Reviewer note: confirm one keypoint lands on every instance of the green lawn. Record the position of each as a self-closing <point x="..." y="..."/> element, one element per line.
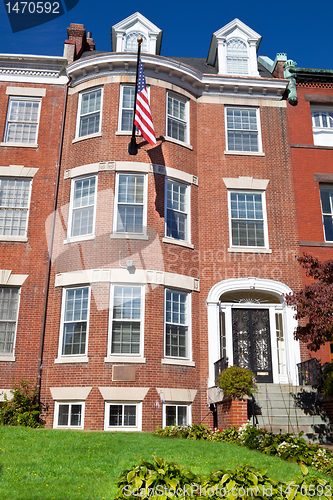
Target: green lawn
<point x="38" y="464"/>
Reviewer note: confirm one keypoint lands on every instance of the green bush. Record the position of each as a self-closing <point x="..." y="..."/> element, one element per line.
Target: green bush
<point x="162" y="480"/>
<point x="237" y="382"/>
<point x="23" y="408"/>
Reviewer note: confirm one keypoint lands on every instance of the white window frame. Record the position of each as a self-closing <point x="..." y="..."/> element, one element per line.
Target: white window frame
<point x="186" y="213"/>
<point x="144" y="204"/>
<point x="12" y="352"/>
<point x="188" y="324"/>
<point x="322" y="136"/>
<point x="121" y="130"/>
<point x="121" y="355"/>
<point x="326" y="214"/>
<point x="14" y="209"/>
<point x="264" y="212"/>
<point x="11" y="100"/>
<point x="232" y="66"/>
<point x="132" y="37"/>
<point x="79" y="356"/>
<point x="72" y="209"/>
<point x="128" y="428"/>
<point x="177" y="405"/>
<point x="257" y="131"/>
<point x="186" y="122"/>
<point x="78" y="119"/>
<point x="58" y="404"/>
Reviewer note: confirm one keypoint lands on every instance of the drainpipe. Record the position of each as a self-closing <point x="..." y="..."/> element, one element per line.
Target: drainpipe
<point x="289" y="73"/>
<point x="48" y="274"/>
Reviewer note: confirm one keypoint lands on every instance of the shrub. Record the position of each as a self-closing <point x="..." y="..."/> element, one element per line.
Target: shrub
<point x="236" y="382"/>
<point x="23" y="408"/>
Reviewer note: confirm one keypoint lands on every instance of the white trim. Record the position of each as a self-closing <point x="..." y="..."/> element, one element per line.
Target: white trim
<point x="26" y="91"/>
<point x="172" y="395"/>
<point x="188" y="413"/>
<point x="9" y="279"/>
<point x="276" y="288"/>
<point x="140" y="277"/>
<point x="245" y="183"/>
<point x="176" y="141"/>
<point x="72" y="358"/>
<point x="180" y="360"/>
<point x="85" y="236"/>
<point x="78" y="116"/>
<point x="177" y="361"/>
<point x="186" y="101"/>
<point x="140" y="354"/>
<point x="114" y="358"/>
<point x="144" y="206"/>
<point x="245" y="248"/>
<point x="88" y="136"/>
<point x="18" y="171"/>
<point x="7" y="358"/>
<point x="244" y="153"/>
<point x="181" y="243"/>
<point x="57" y="404"/>
<point x="6" y="392"/>
<point x="258" y="123"/>
<point x="19" y="145"/>
<point x="138" y="416"/>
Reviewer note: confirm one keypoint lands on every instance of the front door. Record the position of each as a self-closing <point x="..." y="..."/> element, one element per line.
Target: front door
<point x="252" y="342"/>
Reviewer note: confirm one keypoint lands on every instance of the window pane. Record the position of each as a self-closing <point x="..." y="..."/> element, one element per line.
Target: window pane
<point x="170" y="415"/>
<point x="130" y="203"/>
<point x="126" y="324"/>
<point x="22" y="121"/>
<point x="8" y="316"/>
<point x="176" y="329"/>
<point x="83" y="206"/>
<point x="76" y="411"/>
<point x="242" y="130"/>
<point x="14" y="205"/>
<point x="116" y="415"/>
<point x="130" y="415"/>
<point x="247" y="224"/>
<point x="75" y="321"/>
<point x="176" y="118"/>
<point x="63" y="414"/>
<point x="182" y="415"/>
<point x="90" y="113"/>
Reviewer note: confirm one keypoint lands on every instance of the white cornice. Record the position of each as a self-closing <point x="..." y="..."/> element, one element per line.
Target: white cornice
<point x="186" y="77"/>
<point x="31" y="68"/>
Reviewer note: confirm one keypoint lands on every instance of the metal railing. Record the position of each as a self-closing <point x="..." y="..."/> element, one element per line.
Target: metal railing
<point x="219" y="366"/>
<point x="310" y="373"/>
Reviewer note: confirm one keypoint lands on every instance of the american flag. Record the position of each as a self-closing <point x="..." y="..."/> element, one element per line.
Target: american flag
<point x="142" y="119"/>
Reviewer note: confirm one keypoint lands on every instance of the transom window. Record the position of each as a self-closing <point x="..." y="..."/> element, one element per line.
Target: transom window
<point x="177" y="117"/>
<point x="9" y="300"/>
<point x="126" y="320"/>
<point x="89" y="116"/>
<point x="132" y="42"/>
<point x="176" y="415"/>
<point x="326" y="198"/>
<point x="242" y="125"/>
<point x="22" y="120"/>
<point x="83" y="206"/>
<point x="69" y="415"/>
<point x="176" y="210"/>
<point x="14" y="206"/>
<point x="126" y="416"/>
<point x="130" y="209"/>
<point x="176" y="324"/>
<point x="322" y="126"/>
<point x="237" y="57"/>
<point x="75" y="321"/>
<point x="247" y="219"/>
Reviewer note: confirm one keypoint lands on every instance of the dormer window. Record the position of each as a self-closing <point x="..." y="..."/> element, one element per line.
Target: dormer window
<point x="237" y="57"/>
<point x="131" y="44"/>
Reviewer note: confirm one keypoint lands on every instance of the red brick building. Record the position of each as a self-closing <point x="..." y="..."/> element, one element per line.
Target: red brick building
<point x="32" y="97"/>
<point x="166" y="262"/>
<point x="310" y="118"/>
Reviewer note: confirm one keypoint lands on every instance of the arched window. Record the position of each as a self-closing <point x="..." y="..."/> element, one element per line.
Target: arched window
<point x="237" y="57"/>
<point x="131" y="44"/>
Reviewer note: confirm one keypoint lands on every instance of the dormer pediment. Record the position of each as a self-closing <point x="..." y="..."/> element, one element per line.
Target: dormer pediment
<point x="124" y="35"/>
<point x="233" y="50"/>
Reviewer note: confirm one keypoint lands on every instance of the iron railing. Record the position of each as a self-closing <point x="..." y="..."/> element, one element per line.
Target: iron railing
<point x="310" y="373"/>
<point x="219" y="366"/>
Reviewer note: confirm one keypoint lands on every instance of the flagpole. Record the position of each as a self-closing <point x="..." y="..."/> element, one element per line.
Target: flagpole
<point x="132" y="146"/>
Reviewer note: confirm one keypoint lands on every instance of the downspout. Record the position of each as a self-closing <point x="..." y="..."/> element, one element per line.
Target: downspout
<point x="289" y="74"/>
<point x="48" y="274"/>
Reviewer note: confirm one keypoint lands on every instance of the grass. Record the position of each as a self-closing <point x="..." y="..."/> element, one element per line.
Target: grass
<point x="39" y="464"/>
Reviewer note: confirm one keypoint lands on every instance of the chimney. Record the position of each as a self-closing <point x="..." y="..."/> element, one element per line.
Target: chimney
<point x="78" y="42"/>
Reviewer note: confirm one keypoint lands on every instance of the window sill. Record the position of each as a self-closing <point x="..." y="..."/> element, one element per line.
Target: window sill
<point x="123" y="429"/>
<point x="180" y="143"/>
<point x="244" y="153"/>
<point x="18" y="145"/>
<point x="124" y="359"/>
<point x="91" y="136"/>
<point x="128" y="236"/>
<point x="182" y="243"/>
<point x="77" y="239"/>
<point x="177" y="361"/>
<point x="249" y="250"/>
<point x="128" y="133"/>
<point x="72" y="359"/>
<point x="22" y="239"/>
<point x="7" y="358"/>
<point x="316" y="244"/>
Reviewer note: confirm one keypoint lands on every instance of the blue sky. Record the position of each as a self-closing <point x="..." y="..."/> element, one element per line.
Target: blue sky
<point x="301" y="28"/>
